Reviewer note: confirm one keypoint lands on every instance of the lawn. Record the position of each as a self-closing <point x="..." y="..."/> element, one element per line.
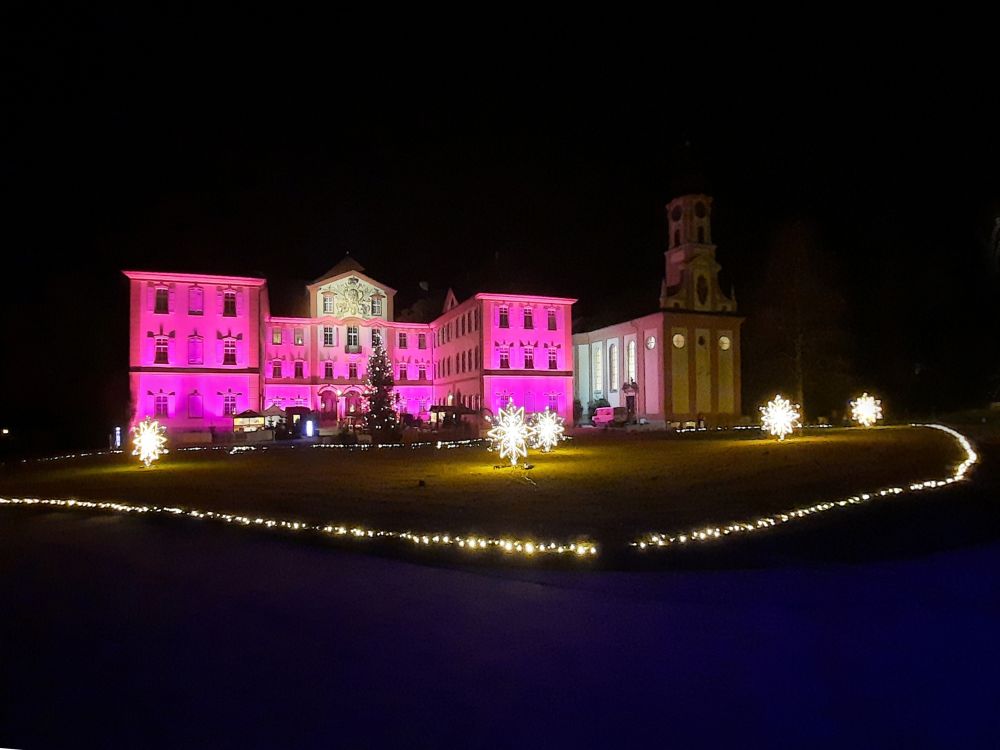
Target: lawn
<point x="602" y="485"/>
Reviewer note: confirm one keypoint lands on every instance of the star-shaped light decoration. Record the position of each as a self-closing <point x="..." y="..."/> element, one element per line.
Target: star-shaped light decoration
<point x="510" y="433"/>
<point x="548" y="428"/>
<point x="866" y="410"/>
<point x="149" y="439"/>
<point x="780" y="416"/>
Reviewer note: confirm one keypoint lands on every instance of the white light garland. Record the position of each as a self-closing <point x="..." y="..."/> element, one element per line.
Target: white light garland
<point x="548" y="430"/>
<point x="866" y="410"/>
<point x="780" y="416"/>
<point x="510" y="433"/>
<point x="766" y="522"/>
<point x="470" y="543"/>
<point x="150" y="440"/>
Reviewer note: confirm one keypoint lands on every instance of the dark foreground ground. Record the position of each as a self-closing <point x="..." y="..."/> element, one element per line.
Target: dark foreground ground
<point x="875" y="628"/>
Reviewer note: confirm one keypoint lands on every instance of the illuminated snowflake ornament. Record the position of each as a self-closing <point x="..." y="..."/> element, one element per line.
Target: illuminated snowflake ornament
<point x="866" y="410"/>
<point x="149" y="439"/>
<point x="779" y="417"/>
<point x="548" y="430"/>
<point x="510" y="433"/>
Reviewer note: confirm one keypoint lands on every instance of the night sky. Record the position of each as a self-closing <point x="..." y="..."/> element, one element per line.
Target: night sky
<point x="133" y="142"/>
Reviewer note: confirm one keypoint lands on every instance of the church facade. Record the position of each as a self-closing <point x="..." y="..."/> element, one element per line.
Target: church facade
<point x="681" y="363"/>
<point x="206" y="348"/>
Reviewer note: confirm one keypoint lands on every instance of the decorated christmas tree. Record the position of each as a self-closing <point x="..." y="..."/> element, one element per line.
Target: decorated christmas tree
<point x="380" y="420"/>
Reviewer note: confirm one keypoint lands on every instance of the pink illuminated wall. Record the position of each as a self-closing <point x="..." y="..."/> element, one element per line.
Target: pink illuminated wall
<point x="204" y="347"/>
<point x="194" y="351"/>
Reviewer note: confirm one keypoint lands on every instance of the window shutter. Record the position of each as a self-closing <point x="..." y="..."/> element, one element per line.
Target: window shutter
<point x="150" y="297"/>
<point x="171" y="304"/>
<point x="240" y="354"/>
<point x="219" y="352"/>
<point x="220" y="301"/>
<point x="171" y="355"/>
<point x="150" y="350"/>
<point x="240" y="303"/>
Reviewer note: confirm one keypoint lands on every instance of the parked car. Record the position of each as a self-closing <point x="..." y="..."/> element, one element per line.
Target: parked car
<point x="603" y="415"/>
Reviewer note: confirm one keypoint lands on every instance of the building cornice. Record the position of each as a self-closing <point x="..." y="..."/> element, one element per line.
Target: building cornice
<point x="199" y="278"/>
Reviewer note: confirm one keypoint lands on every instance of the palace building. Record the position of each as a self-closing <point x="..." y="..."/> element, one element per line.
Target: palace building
<point x="205" y="348"/>
<point x="680" y="364"/>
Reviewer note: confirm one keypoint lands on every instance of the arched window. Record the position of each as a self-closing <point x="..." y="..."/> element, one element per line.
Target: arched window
<point x="630" y="365"/>
<point x="598" y="365"/>
<point x="613" y="366"/>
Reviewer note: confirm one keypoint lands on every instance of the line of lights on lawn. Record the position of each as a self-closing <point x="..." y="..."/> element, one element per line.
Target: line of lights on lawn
<point x="233" y="449"/>
<point x="471" y="543"/>
<point x="766" y="522"/>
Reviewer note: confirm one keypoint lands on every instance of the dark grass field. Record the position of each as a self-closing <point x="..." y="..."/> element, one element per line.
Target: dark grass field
<point x="604" y="486"/>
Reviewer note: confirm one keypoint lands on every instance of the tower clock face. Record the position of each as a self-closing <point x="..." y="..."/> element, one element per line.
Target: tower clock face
<point x="651" y="342"/>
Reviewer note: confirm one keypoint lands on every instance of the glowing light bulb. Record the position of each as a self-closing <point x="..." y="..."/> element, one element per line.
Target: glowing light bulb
<point x="510" y="433"/>
<point x="780" y="416"/>
<point x="866" y="410"/>
<point x="548" y="430"/>
<point x="149" y="440"/>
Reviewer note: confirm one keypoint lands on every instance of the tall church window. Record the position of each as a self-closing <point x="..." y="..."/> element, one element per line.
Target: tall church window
<point x="613" y="366"/>
<point x="598" y="365"/>
<point x="630" y="362"/>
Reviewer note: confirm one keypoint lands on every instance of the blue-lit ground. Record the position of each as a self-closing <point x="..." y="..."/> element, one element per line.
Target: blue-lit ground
<point x="876" y="628"/>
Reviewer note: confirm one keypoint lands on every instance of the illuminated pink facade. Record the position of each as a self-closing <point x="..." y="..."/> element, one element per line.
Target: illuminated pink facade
<point x="204" y="348"/>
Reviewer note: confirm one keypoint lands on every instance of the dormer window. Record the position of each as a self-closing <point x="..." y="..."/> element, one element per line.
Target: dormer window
<point x="229" y="304"/>
<point x="162" y="301"/>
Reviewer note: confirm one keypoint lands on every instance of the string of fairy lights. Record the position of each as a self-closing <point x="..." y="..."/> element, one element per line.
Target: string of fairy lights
<point x="472" y="543"/>
<point x="736" y="528"/>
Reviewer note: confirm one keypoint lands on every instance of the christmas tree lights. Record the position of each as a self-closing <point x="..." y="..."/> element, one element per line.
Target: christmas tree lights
<point x="866" y="410"/>
<point x="779" y="417"/>
<point x="510" y="433"/>
<point x="381" y="418"/>
<point x="149" y="440"/>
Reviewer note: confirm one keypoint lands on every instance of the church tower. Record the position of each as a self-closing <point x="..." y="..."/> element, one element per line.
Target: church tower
<point x="691" y="281"/>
